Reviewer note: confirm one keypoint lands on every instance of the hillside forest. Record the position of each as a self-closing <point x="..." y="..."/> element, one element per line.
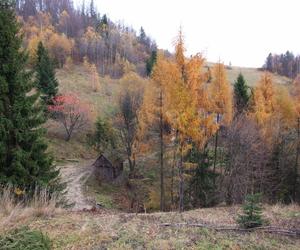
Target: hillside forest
<point x="74" y="84"/>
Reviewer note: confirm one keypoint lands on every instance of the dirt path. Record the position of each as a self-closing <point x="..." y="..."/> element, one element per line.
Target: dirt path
<point x="75" y="175"/>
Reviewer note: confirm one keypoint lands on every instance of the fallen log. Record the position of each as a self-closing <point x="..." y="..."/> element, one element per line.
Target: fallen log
<point x="272" y="230"/>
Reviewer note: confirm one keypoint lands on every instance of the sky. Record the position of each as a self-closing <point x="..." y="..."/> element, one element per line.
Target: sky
<point x="242" y="32"/>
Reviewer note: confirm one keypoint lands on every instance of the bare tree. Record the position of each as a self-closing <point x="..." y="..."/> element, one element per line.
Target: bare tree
<point x="70" y="112"/>
<point x="247" y="160"/>
<point x="127" y="123"/>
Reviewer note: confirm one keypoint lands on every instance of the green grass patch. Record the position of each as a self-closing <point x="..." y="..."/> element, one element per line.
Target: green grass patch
<point x="103" y="192"/>
<point x="25" y="239"/>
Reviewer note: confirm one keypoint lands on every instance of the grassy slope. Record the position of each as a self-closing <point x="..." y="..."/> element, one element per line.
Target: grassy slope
<point x="114" y="230"/>
<point x="252" y="76"/>
<point x="110" y="230"/>
<point x="77" y="80"/>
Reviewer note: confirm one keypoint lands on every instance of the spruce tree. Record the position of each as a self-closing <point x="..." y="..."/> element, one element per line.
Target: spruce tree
<point x="23" y="158"/>
<point x="151" y="62"/>
<point x="45" y="75"/>
<point x="241" y="94"/>
<point x="252" y="212"/>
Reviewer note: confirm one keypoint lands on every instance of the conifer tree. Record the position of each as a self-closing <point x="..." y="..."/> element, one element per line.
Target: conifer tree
<point x="264" y="99"/>
<point x="151" y="62"/>
<point x="252" y="212"/>
<point x="45" y="78"/>
<point x="23" y="158"/>
<point x="241" y="94"/>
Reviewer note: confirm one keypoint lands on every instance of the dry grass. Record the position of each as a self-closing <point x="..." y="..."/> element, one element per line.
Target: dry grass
<point x="251" y="75"/>
<point x="111" y="230"/>
<point x="14" y="212"/>
<point x="76" y="80"/>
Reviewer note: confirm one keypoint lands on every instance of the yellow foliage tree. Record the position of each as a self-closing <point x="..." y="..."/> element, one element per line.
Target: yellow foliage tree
<point x="221" y="101"/>
<point x="179" y="52"/>
<point x="93" y="73"/>
<point x="39" y="28"/>
<point x="60" y="47"/>
<point x="95" y="78"/>
<point x="296" y="98"/>
<point x="64" y="22"/>
<point x="184" y="82"/>
<point x="221" y="95"/>
<point x="264" y="99"/>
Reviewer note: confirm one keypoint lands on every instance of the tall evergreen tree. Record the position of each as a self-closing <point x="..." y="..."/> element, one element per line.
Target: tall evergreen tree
<point x="45" y="79"/>
<point x="269" y="63"/>
<point x="151" y="62"/>
<point x="241" y="95"/>
<point x="23" y="158"/>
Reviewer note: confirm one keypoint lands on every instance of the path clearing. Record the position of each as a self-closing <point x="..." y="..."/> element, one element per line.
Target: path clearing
<point x="75" y="175"/>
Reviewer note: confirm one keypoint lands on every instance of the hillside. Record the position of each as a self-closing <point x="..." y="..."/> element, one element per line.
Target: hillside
<point x="105" y="229"/>
<point x="77" y="80"/>
<point x="253" y="75"/>
<point x="108" y="142"/>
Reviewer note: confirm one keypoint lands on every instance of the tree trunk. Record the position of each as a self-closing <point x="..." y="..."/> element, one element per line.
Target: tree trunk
<point x="173" y="170"/>
<point x="296" y="161"/>
<point x="181" y="181"/>
<point x="216" y="150"/>
<point x="161" y="137"/>
<point x="172" y="178"/>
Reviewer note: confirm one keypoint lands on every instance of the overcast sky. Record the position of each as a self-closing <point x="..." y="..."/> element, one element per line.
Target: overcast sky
<point x="242" y="32"/>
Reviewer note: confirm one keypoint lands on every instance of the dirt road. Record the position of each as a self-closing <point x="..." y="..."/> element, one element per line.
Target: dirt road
<point x="75" y="175"/>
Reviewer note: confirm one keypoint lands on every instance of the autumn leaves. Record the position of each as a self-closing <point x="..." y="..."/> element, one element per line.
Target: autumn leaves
<point x="195" y="103"/>
<point x="193" y="108"/>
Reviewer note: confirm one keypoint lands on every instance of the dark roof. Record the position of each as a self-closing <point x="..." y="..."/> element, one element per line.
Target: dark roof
<point x="104" y="160"/>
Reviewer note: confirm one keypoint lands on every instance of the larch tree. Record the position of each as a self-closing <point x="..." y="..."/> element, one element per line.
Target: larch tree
<point x="188" y="111"/>
<point x="157" y="103"/>
<point x="221" y="98"/>
<point x="274" y="112"/>
<point x="93" y="73"/>
<point x="186" y="122"/>
<point x="296" y="97"/>
<point x="24" y="161"/>
<point x="95" y="78"/>
<point x="264" y="102"/>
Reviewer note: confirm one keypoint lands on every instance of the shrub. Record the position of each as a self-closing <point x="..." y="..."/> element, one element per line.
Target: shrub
<point x="252" y="210"/>
<point x="25" y="239"/>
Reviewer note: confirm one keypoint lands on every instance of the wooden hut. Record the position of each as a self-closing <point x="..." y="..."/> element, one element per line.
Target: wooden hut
<point x="106" y="169"/>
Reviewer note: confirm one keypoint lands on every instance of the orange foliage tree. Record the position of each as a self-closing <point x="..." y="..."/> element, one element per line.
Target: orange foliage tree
<point x="264" y="99"/>
<point x="221" y="101"/>
<point x="40" y="28"/>
<point x="296" y="97"/>
<point x="93" y="73"/>
<point x="182" y="100"/>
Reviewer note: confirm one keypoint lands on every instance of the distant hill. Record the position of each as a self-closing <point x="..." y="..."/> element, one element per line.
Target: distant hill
<point x="72" y="34"/>
<point x="252" y="75"/>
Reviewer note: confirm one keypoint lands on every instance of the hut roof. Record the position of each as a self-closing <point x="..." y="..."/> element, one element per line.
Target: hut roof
<point x="107" y="160"/>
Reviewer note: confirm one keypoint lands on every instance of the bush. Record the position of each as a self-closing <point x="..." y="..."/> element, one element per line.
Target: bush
<point x="25" y="239"/>
<point x="252" y="210"/>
